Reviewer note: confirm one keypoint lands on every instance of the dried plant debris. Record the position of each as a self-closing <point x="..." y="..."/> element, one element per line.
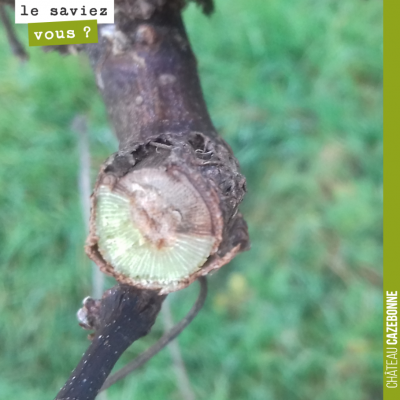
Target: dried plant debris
<point x="166" y="213"/>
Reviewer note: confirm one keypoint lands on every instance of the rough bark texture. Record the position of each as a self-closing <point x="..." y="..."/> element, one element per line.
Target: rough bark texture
<point x="147" y="74"/>
<point x="163" y="341"/>
<point x="124" y="315"/>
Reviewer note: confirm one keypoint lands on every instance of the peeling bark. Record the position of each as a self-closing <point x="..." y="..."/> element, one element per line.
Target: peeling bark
<point x="147" y="74"/>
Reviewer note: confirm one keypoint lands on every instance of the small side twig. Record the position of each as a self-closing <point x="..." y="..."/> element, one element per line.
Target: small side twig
<point x="16" y="47"/>
<point x="123" y="315"/>
<point x="79" y="124"/>
<point x="165" y="339"/>
<point x="182" y="378"/>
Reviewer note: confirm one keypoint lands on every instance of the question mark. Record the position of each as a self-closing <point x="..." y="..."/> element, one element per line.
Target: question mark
<point x="87" y="30"/>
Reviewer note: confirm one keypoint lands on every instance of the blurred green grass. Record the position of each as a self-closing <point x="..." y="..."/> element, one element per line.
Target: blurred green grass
<point x="296" y="88"/>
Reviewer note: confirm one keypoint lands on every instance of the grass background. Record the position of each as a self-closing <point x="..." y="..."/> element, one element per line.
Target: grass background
<point x="295" y="86"/>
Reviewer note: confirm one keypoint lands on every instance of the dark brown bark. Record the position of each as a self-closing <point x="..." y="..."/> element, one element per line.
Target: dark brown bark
<point x="147" y="73"/>
<point x="124" y="315"/>
<point x="163" y="341"/>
